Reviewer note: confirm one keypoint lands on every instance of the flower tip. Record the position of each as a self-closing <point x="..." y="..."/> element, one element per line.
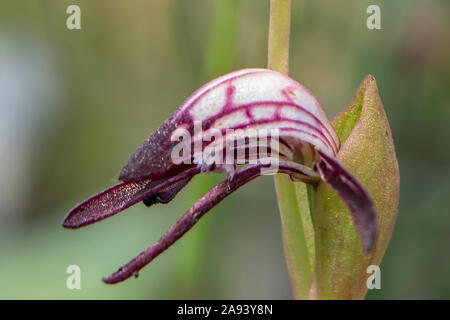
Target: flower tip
<point x="369" y="77"/>
<point x="71" y="220"/>
<point x="67" y="225"/>
<point x="366" y="222"/>
<point x="370" y="240"/>
<point x="108" y="280"/>
<point x="135" y="169"/>
<point x="125" y="174"/>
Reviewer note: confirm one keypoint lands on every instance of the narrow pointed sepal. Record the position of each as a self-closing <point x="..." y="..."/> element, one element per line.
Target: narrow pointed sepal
<point x="104" y="204"/>
<point x="354" y="195"/>
<point x="123" y="195"/>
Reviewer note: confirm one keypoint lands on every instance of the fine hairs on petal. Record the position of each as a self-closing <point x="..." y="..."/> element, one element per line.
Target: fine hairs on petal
<point x="123" y="195"/>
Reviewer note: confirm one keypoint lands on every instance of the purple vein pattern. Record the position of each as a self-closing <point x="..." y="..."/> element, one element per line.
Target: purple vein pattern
<point x="238" y="105"/>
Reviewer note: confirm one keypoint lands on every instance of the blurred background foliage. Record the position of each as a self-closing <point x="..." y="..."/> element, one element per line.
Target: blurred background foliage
<point x="75" y="104"/>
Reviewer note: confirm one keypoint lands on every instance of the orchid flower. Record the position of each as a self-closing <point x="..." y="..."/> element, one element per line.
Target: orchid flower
<point x="235" y="107"/>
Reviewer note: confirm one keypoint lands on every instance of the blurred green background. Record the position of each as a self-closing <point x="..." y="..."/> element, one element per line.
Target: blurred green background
<point x="75" y="104"/>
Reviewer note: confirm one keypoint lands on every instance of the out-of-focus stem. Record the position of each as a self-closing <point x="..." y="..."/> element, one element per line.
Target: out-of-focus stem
<point x="279" y="31"/>
<point x="297" y="242"/>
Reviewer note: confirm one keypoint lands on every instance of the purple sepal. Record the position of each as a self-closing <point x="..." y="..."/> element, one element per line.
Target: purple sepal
<point x="123" y="195"/>
<point x="190" y="218"/>
<point x="354" y="195"/>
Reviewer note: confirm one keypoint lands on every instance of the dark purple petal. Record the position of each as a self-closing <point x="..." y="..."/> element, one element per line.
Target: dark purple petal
<point x="190" y="218"/>
<point x="153" y="158"/>
<point x="121" y="196"/>
<point x="354" y="195"/>
<point x="251" y="98"/>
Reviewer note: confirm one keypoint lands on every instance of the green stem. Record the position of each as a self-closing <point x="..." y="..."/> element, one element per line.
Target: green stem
<point x="279" y="31"/>
<point x="298" y="234"/>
